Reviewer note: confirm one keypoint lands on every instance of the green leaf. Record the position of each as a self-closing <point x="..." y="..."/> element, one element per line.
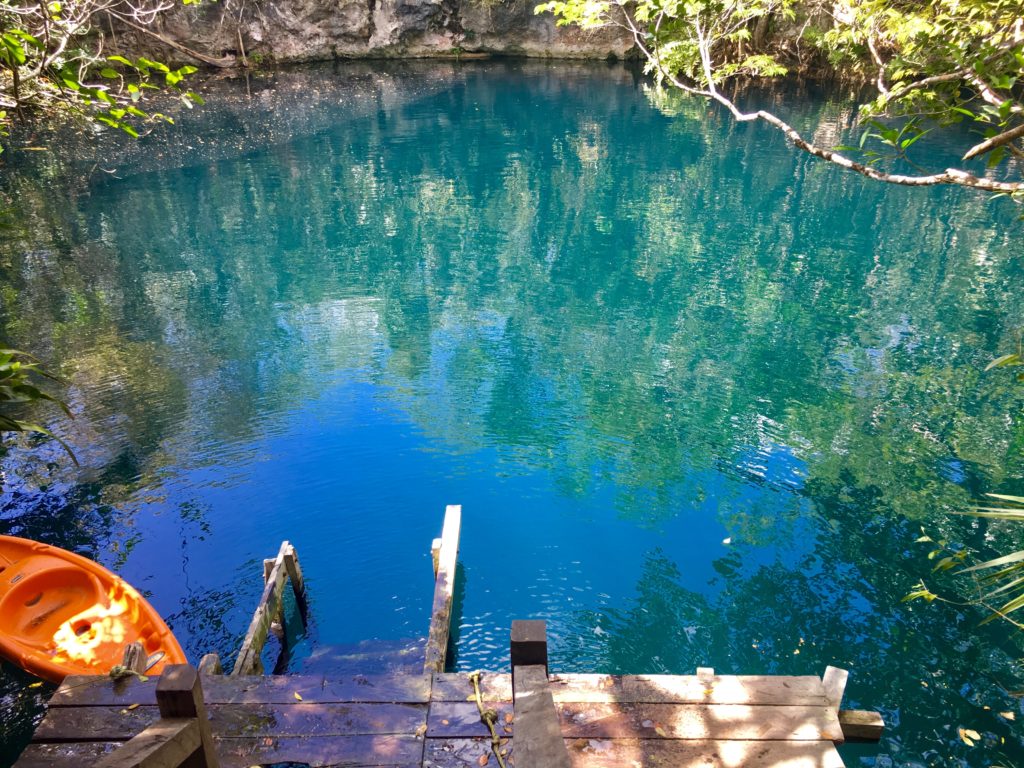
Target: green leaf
<point x="1014" y="557"/>
<point x="1005" y="361"/>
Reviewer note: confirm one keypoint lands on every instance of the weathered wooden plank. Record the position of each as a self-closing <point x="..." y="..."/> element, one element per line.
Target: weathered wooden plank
<point x="79" y="691"/>
<point x="248" y="661"/>
<point x="65" y="755"/>
<point x="452" y="720"/>
<point x="444" y="591"/>
<point x="661" y="753"/>
<point x="394" y="751"/>
<point x="647" y="753"/>
<point x="390" y="751"/>
<point x="539" y="732"/>
<point x="653" y="721"/>
<point x="859" y="725"/>
<point x="165" y="744"/>
<point x="834" y="683"/>
<point x="699" y="721"/>
<point x="462" y="753"/>
<point x="670" y="689"/>
<point x="63" y="724"/>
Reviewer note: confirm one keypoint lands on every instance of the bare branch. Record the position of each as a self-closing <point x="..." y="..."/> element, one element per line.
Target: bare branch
<point x="996" y="141"/>
<point x="225" y="62"/>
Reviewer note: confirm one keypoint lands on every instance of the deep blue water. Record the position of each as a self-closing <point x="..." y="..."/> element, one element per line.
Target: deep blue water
<point x="697" y="394"/>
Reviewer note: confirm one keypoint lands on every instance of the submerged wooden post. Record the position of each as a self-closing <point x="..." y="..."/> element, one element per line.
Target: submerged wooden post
<point x="538" y="737"/>
<point x="444" y="591"/>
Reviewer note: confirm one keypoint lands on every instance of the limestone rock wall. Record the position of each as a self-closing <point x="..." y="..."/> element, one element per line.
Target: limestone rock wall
<point x="316" y="30"/>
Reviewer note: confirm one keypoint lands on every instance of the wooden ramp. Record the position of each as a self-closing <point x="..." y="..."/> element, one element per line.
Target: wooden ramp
<point x="426" y="718"/>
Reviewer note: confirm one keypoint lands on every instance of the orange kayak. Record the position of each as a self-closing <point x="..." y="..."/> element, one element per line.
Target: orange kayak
<point x="61" y="614"/>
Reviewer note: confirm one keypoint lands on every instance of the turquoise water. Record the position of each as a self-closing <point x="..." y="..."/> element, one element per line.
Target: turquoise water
<point x="697" y="394"/>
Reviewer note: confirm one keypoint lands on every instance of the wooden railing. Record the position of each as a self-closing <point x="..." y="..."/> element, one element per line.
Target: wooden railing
<point x="181" y="738"/>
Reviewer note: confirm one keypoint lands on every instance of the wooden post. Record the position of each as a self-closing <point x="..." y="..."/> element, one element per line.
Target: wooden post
<point x="134" y="658"/>
<point x="444" y="591"/>
<point x="179" y="694"/>
<point x="538" y="736"/>
<point x="165" y="744"/>
<point x="277" y="625"/>
<point x="435" y="554"/>
<point x="291" y="566"/>
<point x="834" y="682"/>
<point x="210" y="665"/>
<point x="529" y="646"/>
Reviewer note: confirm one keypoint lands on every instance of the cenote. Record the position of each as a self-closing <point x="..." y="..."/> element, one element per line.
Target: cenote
<point x="698" y="395"/>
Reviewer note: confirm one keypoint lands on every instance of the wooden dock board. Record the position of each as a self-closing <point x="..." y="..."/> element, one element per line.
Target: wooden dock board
<point x="653" y="721"/>
<point x="656" y="689"/>
<point x="642" y="753"/>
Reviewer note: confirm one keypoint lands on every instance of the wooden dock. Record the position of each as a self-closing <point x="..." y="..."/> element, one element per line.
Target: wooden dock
<point x="433" y="719"/>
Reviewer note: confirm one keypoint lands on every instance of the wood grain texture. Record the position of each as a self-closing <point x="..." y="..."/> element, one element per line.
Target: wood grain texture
<point x="539" y="733"/>
<point x="859" y="725"/>
<point x="347" y="751"/>
<point x="645" y="753"/>
<point x="648" y="753"/>
<point x="65" y="724"/>
<point x="79" y="691"/>
<point x="166" y="744"/>
<point x="675" y="689"/>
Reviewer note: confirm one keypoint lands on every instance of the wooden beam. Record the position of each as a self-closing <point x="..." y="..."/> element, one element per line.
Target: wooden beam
<point x="834" y="682"/>
<point x="859" y="725"/>
<point x="538" y="733"/>
<point x="444" y="591"/>
<point x="179" y="694"/>
<point x="294" y="570"/>
<point x="249" y="661"/>
<point x="167" y="744"/>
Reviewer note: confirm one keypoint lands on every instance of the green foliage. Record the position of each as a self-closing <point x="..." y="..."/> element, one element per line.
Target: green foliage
<point x="941" y="63"/>
<point x="52" y="59"/>
<point x="18" y="374"/>
<point x="1000" y="580"/>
